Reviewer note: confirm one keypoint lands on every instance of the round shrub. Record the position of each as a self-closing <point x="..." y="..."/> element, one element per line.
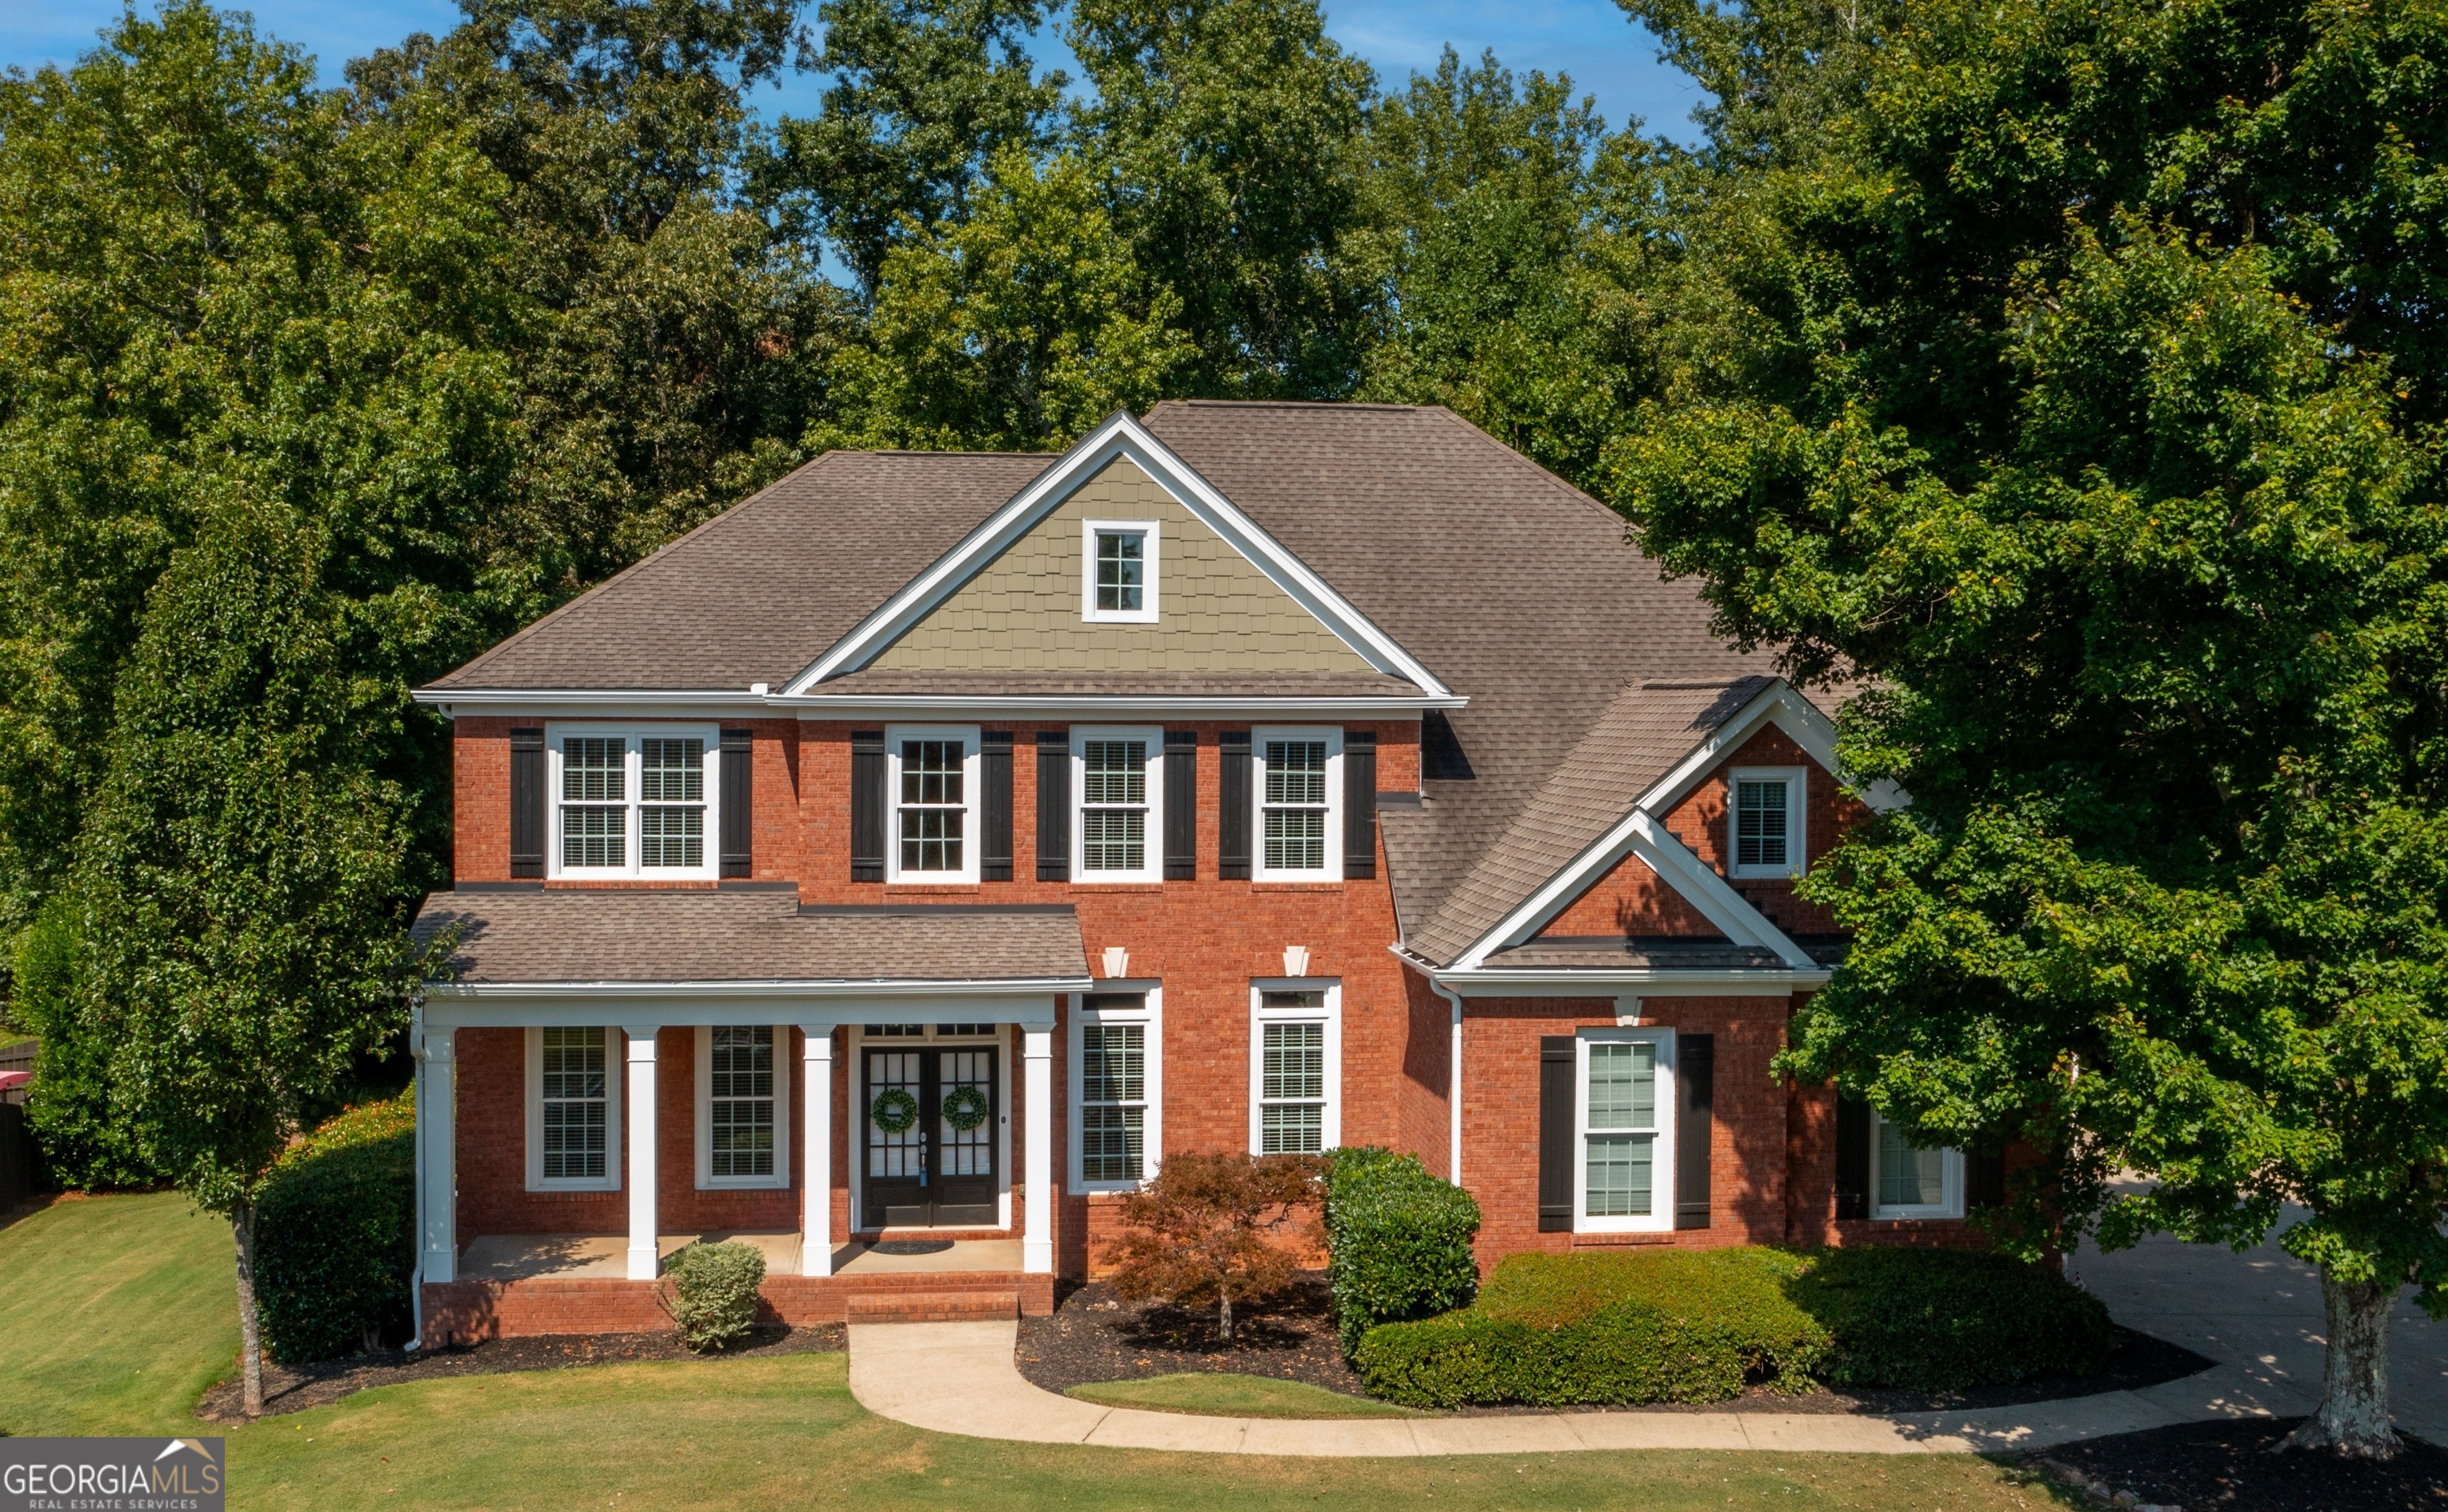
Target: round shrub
<point x="1398" y="1241"/>
<point x="713" y="1294"/>
<point x="1942" y="1320"/>
<point x="335" y="1236"/>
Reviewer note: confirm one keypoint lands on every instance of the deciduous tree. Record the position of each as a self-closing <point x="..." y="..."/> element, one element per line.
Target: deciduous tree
<point x="1213" y="1228"/>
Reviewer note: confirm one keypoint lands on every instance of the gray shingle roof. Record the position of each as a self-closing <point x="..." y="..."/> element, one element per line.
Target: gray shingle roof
<point x="639" y="935"/>
<point x="1619" y="955"/>
<point x="1518" y="590"/>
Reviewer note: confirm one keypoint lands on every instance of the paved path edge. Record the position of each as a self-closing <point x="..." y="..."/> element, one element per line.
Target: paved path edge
<point x="961" y="1378"/>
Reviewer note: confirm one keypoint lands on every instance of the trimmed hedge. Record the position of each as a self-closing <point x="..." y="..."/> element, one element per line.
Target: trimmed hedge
<point x="1942" y="1320"/>
<point x="1645" y="1325"/>
<point x="335" y="1236"/>
<point x="1398" y="1241"/>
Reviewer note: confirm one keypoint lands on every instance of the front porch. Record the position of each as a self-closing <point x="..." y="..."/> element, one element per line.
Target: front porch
<point x="605" y="1256"/>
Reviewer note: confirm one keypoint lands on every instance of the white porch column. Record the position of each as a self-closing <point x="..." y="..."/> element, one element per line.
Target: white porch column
<point x="646" y="1262"/>
<point x="437" y="1158"/>
<point x="817" y="1151"/>
<point x="1037" y="1230"/>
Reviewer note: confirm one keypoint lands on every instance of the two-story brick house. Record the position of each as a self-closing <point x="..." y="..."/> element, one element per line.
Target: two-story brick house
<point x="893" y="869"/>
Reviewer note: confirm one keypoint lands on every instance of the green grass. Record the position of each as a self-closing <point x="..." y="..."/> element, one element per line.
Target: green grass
<point x="118" y="1314"/>
<point x="1221" y="1393"/>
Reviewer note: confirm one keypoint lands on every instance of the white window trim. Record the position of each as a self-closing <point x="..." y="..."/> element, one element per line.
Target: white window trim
<point x="1153" y="871"/>
<point x="1660" y="1217"/>
<point x="615" y="1132"/>
<point x="1330" y="1130"/>
<point x="1145" y="613"/>
<point x="1950" y="1183"/>
<point x="971" y="770"/>
<point x="783" y="1130"/>
<point x="1152" y="1133"/>
<point x="1332" y="870"/>
<point x="1797" y="833"/>
<point x="631" y="736"/>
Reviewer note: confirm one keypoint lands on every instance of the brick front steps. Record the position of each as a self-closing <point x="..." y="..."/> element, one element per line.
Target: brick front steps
<point x="471" y="1311"/>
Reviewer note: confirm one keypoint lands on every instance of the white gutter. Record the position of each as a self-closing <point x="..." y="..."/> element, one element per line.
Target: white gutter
<point x="821" y="987"/>
<point x="753" y="704"/>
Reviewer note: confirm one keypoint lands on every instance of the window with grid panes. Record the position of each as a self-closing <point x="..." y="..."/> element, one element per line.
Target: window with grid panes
<point x="1113" y="1100"/>
<point x="1295" y="805"/>
<point x="576" y="1129"/>
<point x="1113" y="806"/>
<point x="1761" y="823"/>
<point x="670" y="797"/>
<point x="740" y="1121"/>
<point x="934" y="804"/>
<point x="1619" y="1137"/>
<point x="1291" y="1079"/>
<point x="594" y="800"/>
<point x="1122" y="571"/>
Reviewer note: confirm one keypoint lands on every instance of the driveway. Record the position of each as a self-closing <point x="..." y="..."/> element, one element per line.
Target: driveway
<point x="2260" y="1311"/>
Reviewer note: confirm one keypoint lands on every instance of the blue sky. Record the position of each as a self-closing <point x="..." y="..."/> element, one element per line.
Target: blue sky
<point x="1606" y="54"/>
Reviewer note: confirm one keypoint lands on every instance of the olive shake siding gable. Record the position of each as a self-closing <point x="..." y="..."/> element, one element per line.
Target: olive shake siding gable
<point x="1215" y="611"/>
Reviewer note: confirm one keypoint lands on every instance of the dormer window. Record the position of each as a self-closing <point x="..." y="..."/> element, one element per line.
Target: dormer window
<point x="1764" y="818"/>
<point x="1121" y="562"/>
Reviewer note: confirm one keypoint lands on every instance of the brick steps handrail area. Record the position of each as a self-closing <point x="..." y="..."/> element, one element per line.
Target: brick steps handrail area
<point x="959" y="1377"/>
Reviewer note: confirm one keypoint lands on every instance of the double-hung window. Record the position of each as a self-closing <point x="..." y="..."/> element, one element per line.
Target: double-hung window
<point x="934" y="780"/>
<point x="1764" y="820"/>
<point x="632" y="802"/>
<point x="1295" y="1066"/>
<point x="1300" y="831"/>
<point x="1115" y="1091"/>
<point x="1624" y="1180"/>
<point x="573" y="1108"/>
<point x="743" y="1091"/>
<point x="1120" y="784"/>
<point x="1909" y="1181"/>
<point x="1118" y="575"/>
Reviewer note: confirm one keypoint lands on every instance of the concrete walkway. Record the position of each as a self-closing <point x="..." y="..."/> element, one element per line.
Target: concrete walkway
<point x="961" y="1378"/>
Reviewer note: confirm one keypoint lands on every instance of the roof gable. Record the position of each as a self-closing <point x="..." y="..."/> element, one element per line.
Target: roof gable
<point x="1217" y="611"/>
<point x="1160" y="476"/>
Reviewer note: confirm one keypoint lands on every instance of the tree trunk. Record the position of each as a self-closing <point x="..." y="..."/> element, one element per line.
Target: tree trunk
<point x="250" y="1331"/>
<point x="1224" y="1301"/>
<point x="2353" y="1418"/>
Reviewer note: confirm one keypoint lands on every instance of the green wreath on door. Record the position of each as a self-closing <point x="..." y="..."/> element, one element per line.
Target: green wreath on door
<point x="965" y="1107"/>
<point x="894" y="1110"/>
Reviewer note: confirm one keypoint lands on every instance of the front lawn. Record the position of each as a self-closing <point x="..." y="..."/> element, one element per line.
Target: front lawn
<point x="118" y="1313"/>
<point x="1222" y="1393"/>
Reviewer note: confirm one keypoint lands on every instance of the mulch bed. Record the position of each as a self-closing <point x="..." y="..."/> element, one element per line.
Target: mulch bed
<point x="293" y="1390"/>
<point x="1093" y="1336"/>
<point x="2227" y="1467"/>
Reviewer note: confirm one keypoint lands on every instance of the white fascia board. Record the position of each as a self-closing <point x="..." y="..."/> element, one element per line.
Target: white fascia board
<point x="1557" y="981"/>
<point x="1090" y="705"/>
<point x="881" y="987"/>
<point x="681" y="1005"/>
<point x="1120" y="436"/>
<point x="1711" y="894"/>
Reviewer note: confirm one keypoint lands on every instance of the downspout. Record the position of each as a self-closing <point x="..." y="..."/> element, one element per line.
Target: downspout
<point x="1453" y="1090"/>
<point x="416" y="1278"/>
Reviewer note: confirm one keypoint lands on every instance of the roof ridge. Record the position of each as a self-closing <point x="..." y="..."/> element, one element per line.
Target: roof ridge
<point x="1569" y="490"/>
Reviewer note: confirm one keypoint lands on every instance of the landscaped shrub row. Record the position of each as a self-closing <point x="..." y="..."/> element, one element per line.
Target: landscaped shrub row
<point x="1557" y="1330"/>
<point x="1941" y="1320"/>
<point x="1694" y="1326"/>
<point x="335" y="1236"/>
<point x="1398" y="1240"/>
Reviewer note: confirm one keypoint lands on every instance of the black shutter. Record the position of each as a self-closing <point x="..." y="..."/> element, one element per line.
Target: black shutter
<point x="1696" y="1096"/>
<point x="738" y="805"/>
<point x="526" y="803"/>
<point x="1232" y="803"/>
<point x="1053" y="806"/>
<point x="1985" y="1179"/>
<point x="1556" y="1065"/>
<point x="1359" y="802"/>
<point x="994" y="826"/>
<point x="1852" y="1158"/>
<point x="1180" y="805"/>
<point x="866" y="800"/>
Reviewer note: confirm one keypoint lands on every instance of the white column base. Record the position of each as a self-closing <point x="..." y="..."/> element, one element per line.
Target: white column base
<point x="645" y="1255"/>
<point x="1037" y="1229"/>
<point x="816" y="1172"/>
